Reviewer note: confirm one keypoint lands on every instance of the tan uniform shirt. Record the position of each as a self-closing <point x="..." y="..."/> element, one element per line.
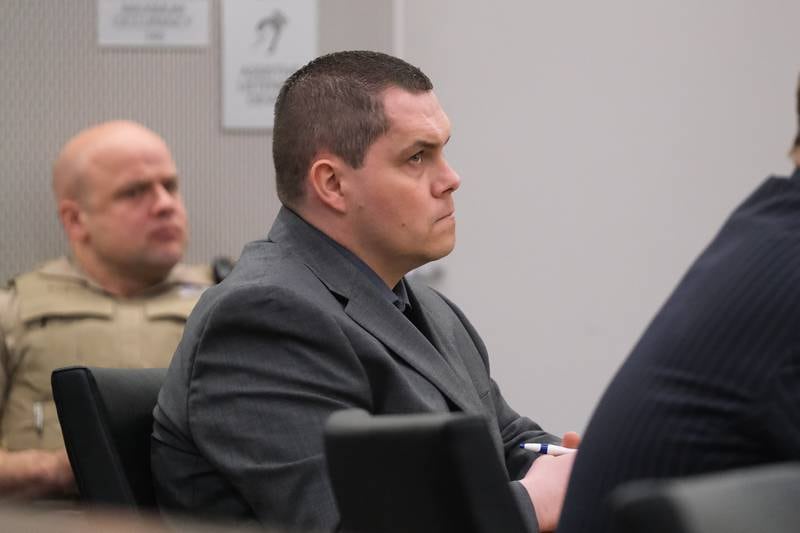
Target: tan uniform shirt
<point x="54" y="316"/>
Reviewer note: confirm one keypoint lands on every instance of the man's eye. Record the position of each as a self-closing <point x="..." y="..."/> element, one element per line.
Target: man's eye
<point x="416" y="158"/>
<point x="133" y="193"/>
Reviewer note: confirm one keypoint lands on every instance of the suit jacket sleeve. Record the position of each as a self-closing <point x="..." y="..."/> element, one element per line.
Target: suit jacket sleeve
<point x="514" y="429"/>
<point x="272" y="367"/>
<point x="782" y="416"/>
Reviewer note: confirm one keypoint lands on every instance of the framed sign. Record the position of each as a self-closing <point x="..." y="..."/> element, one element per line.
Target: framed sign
<point x="264" y="41"/>
<point x="152" y="23"/>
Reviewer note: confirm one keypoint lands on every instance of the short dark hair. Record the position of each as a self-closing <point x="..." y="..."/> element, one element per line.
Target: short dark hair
<point x="334" y="103"/>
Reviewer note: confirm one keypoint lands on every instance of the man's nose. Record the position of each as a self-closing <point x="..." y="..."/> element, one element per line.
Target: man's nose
<point x="448" y="180"/>
<point x="164" y="199"/>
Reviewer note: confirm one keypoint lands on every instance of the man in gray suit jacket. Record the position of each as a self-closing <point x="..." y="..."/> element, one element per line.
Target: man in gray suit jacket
<point x="319" y="316"/>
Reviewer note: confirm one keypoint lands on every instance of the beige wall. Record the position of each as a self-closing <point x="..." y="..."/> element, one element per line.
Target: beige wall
<point x="54" y="80"/>
<point x="600" y="146"/>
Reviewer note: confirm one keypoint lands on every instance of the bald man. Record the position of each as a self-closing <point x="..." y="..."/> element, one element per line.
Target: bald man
<point x="120" y="300"/>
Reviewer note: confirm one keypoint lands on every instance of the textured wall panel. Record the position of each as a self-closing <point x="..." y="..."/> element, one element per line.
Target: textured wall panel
<point x="55" y="80"/>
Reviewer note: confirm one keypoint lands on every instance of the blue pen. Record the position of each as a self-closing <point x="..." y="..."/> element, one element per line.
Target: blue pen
<point x="547" y="449"/>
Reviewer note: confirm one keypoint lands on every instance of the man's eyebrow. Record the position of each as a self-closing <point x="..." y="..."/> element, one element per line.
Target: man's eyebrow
<point x="427" y="144"/>
<point x="134" y="185"/>
<point x="149" y="181"/>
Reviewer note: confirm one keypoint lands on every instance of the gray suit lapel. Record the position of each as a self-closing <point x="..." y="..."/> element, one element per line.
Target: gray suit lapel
<point x="366" y="306"/>
<point x="443" y="342"/>
<point x="388" y="325"/>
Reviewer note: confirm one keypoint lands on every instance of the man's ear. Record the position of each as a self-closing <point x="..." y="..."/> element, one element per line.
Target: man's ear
<point x="325" y="177"/>
<point x="72" y="218"/>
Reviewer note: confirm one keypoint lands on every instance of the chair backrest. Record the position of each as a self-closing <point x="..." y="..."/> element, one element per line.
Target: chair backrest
<point x="764" y="498"/>
<point x="428" y="473"/>
<point x="106" y="416"/>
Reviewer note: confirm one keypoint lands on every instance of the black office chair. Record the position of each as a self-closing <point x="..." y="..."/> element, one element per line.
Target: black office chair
<point x="764" y="498"/>
<point x="106" y="416"/>
<point x="428" y="473"/>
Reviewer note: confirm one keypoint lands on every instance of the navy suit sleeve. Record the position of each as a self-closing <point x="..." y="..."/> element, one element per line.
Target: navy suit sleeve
<point x="783" y="416"/>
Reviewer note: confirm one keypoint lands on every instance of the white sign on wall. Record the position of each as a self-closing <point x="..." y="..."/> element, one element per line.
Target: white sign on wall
<point x="264" y="41"/>
<point x="159" y="23"/>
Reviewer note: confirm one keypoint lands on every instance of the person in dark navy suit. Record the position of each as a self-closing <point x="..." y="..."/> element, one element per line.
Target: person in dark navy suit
<point x="714" y="382"/>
